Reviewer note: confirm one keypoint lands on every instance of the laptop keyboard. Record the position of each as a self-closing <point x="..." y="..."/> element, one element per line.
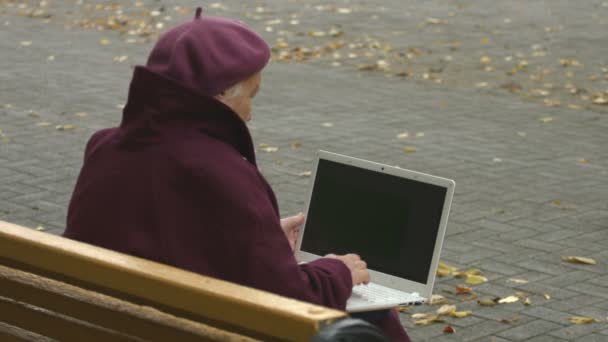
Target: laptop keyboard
<point x="375" y="293"/>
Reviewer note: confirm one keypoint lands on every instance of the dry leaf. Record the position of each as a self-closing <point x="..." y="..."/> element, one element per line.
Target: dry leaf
<point x="547" y="296"/>
<point x="345" y="10"/>
<point x="518" y="281"/>
<point x="409" y="149"/>
<point x="527" y="301"/>
<point x="460" y="314"/>
<point x="402" y="135"/>
<point x="296" y="145"/>
<point x="461" y="289"/>
<point x="582" y="320"/>
<point x="579" y="260"/>
<point x="468" y="273"/>
<point x="445" y="270"/>
<point x="104" y="42"/>
<point x="446" y="309"/>
<point x="600" y="100"/>
<point x="473" y="297"/>
<point x="485" y="60"/>
<point x="81" y="114"/>
<point x="26" y="43"/>
<point x="509" y="299"/>
<point x="475" y="279"/>
<point x="402" y="308"/>
<point x="421" y="315"/>
<point x="438" y="299"/>
<point x="40" y="228"/>
<point x="65" y="127"/>
<point x="449" y="329"/>
<point x="43" y="124"/>
<point x="267" y="148"/>
<point x="546" y="119"/>
<point x="305" y="174"/>
<point x="430" y="319"/>
<point x="509" y="320"/>
<point x="487" y="301"/>
<point x="327" y="124"/>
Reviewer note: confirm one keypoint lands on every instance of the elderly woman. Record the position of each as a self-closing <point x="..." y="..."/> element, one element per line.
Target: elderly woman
<point x="177" y="181"/>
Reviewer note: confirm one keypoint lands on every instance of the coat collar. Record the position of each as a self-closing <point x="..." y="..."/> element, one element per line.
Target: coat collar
<point x="155" y="100"/>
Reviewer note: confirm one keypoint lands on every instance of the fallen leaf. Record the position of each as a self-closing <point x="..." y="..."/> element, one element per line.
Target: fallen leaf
<point x="461" y="289"/>
<point x="345" y="10"/>
<point x="517" y="281"/>
<point x="546" y="119"/>
<point x="600" y="100"/>
<point x="429" y="320"/>
<point x="470" y="298"/>
<point x="446" y="309"/>
<point x="566" y="62"/>
<point x="509" y="299"/>
<point x="582" y="320"/>
<point x="296" y="145"/>
<point x="487" y="301"/>
<point x="65" y="127"/>
<point x="43" y="124"/>
<point x="26" y="43"/>
<point x="509" y="320"/>
<point x="409" y="149"/>
<point x="81" y="114"/>
<point x="402" y="309"/>
<point x="327" y="124"/>
<point x="305" y="174"/>
<point x="402" y="135"/>
<point x="121" y="59"/>
<point x="527" y="301"/>
<point x="485" y="60"/>
<point x="104" y="42"/>
<point x="267" y="148"/>
<point x="467" y="273"/>
<point x="445" y="270"/>
<point x="579" y="260"/>
<point x="460" y="314"/>
<point x="448" y="329"/>
<point x="475" y="279"/>
<point x="422" y="315"/>
<point x="435" y="21"/>
<point x="438" y="299"/>
<point x="40" y="228"/>
<point x="547" y="296"/>
<point x="583" y="161"/>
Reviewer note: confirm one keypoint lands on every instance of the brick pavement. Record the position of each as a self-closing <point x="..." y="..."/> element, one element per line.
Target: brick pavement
<point x="528" y="192"/>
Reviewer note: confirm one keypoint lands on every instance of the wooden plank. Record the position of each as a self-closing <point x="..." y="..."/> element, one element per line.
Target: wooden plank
<point x="9" y="333"/>
<point x="55" y="326"/>
<point x="174" y="290"/>
<point x="105" y="311"/>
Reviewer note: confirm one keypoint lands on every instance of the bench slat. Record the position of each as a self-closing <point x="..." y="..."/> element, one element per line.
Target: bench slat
<point x="105" y="311"/>
<point x="55" y="326"/>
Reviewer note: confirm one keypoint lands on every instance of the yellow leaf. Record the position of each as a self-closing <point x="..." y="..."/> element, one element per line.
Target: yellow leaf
<point x="305" y="174"/>
<point x="327" y="124"/>
<point x="484" y="41"/>
<point x="402" y="309"/>
<point x="460" y="314"/>
<point x="475" y="279"/>
<point x="509" y="299"/>
<point x="409" y="149"/>
<point x="446" y="309"/>
<point x="402" y="135"/>
<point x="345" y="10"/>
<point x="26" y="43"/>
<point x="547" y="296"/>
<point x="546" y="119"/>
<point x="429" y="320"/>
<point x="43" y="124"/>
<point x="81" y="114"/>
<point x="422" y="316"/>
<point x="579" y="260"/>
<point x="527" y="301"/>
<point x="486" y="301"/>
<point x="104" y="42"/>
<point x="485" y="60"/>
<point x="582" y="320"/>
<point x="468" y="273"/>
<point x="438" y="299"/>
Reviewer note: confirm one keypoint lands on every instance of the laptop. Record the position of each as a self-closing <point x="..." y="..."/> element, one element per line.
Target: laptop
<point x="394" y="219"/>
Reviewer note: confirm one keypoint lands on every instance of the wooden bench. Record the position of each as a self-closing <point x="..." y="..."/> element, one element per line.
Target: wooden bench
<point x="53" y="288"/>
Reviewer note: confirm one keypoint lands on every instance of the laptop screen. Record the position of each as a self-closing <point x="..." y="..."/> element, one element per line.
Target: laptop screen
<point x="391" y="222"/>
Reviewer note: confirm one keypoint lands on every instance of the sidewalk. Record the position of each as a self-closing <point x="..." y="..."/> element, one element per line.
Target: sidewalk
<point x="531" y="181"/>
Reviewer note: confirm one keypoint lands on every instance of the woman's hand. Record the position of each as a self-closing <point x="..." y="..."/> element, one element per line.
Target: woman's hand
<point x="291" y="227"/>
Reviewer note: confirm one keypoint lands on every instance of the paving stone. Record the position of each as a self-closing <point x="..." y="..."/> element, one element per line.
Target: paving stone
<point x="592" y="338"/>
<point x="534" y="328"/>
<point x="575" y="332"/>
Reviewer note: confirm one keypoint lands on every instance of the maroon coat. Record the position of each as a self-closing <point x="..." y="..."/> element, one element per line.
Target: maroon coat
<point x="177" y="183"/>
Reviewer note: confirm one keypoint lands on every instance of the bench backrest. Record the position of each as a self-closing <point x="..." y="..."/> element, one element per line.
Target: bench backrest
<point x="54" y="286"/>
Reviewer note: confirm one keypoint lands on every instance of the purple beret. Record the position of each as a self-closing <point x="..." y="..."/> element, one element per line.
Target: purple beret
<point x="209" y="54"/>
